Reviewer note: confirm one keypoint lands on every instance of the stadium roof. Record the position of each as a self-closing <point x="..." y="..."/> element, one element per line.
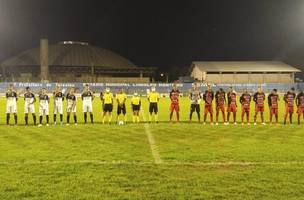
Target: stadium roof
<point x="244" y="66"/>
<point x="72" y="54"/>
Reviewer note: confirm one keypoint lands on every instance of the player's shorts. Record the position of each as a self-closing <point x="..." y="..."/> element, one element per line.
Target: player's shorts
<point x="174" y="107"/>
<point x="121" y="109"/>
<point x="87" y="107"/>
<point x="231" y="108"/>
<point x="289" y="109"/>
<point x="153" y="107"/>
<point x="195" y="107"/>
<point x="58" y="109"/>
<point x="135" y="107"/>
<point x="245" y="109"/>
<point x="29" y="108"/>
<point x="43" y="110"/>
<point x="108" y="108"/>
<point x="71" y="108"/>
<point x="220" y="108"/>
<point x="11" y="108"/>
<point x="274" y="111"/>
<point x="259" y="108"/>
<point x="208" y="109"/>
<point x="300" y="110"/>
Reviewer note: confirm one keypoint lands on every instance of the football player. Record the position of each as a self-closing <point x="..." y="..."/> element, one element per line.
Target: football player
<point x="259" y="98"/>
<point x="208" y="97"/>
<point x="195" y="98"/>
<point x="153" y="98"/>
<point x="232" y="105"/>
<point x="220" y="100"/>
<point x="245" y="100"/>
<point x="43" y="107"/>
<point x="58" y="104"/>
<point x="300" y="105"/>
<point x="29" y="105"/>
<point x="71" y="105"/>
<point x="87" y="97"/>
<point x="11" y="104"/>
<point x="273" y="103"/>
<point x="108" y="105"/>
<point x="121" y="99"/>
<point x="289" y="99"/>
<point x="136" y="103"/>
<point x="174" y="106"/>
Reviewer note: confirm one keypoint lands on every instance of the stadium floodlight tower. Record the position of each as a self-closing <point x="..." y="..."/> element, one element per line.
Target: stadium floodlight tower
<point x="44" y="60"/>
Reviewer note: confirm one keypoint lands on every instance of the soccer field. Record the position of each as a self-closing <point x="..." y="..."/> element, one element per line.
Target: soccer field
<point x="151" y="161"/>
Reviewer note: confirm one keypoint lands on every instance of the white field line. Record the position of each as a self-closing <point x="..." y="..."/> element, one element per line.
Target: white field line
<point x="138" y="163"/>
<point x="153" y="146"/>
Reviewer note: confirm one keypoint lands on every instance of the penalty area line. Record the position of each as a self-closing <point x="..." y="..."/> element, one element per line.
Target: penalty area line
<point x="151" y="140"/>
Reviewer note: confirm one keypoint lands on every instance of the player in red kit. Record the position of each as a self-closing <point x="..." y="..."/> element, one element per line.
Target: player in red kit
<point x="300" y="105"/>
<point x="289" y="99"/>
<point x="232" y="105"/>
<point x="245" y="100"/>
<point x="208" y="97"/>
<point x="174" y="97"/>
<point x="220" y="99"/>
<point x="259" y="98"/>
<point x="273" y="103"/>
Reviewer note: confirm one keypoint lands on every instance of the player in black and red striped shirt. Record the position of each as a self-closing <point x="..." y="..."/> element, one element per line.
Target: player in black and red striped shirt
<point x="245" y="100"/>
<point x="300" y="105"/>
<point x="273" y="103"/>
<point x="289" y="99"/>
<point x="259" y="98"/>
<point x="220" y="100"/>
<point x="174" y="97"/>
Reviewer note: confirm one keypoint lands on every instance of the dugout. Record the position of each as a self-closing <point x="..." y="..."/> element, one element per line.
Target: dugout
<point x="243" y="72"/>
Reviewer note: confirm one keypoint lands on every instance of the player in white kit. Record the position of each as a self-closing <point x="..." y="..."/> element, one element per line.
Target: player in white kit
<point x="58" y="104"/>
<point x="29" y="105"/>
<point x="87" y="98"/>
<point x="44" y="101"/>
<point x="11" y="104"/>
<point x="71" y="105"/>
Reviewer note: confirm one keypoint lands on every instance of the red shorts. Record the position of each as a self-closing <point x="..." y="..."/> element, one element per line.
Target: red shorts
<point x="300" y="110"/>
<point x="274" y="111"/>
<point x="220" y="108"/>
<point x="174" y="106"/>
<point x="289" y="109"/>
<point x="208" y="109"/>
<point x="259" y="108"/>
<point x="231" y="108"/>
<point x="245" y="109"/>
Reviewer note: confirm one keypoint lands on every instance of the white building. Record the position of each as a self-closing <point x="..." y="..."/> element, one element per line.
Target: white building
<point x="243" y="72"/>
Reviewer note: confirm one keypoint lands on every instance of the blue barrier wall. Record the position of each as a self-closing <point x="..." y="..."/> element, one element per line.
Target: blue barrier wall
<point x="142" y="87"/>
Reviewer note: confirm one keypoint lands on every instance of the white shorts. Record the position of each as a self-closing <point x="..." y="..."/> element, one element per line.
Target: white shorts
<point x="87" y="107"/>
<point x="29" y="108"/>
<point x="11" y="108"/>
<point x="58" y="109"/>
<point x="71" y="108"/>
<point x="44" y="110"/>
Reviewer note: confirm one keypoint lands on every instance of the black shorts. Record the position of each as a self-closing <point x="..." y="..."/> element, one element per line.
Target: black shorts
<point x="121" y="109"/>
<point x="153" y="108"/>
<point x="108" y="108"/>
<point x="195" y="107"/>
<point x="135" y="107"/>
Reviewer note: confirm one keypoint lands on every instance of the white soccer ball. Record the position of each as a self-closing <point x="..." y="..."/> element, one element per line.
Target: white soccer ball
<point x="121" y="123"/>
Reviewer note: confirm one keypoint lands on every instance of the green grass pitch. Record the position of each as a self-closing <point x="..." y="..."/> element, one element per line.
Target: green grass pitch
<point x="150" y="161"/>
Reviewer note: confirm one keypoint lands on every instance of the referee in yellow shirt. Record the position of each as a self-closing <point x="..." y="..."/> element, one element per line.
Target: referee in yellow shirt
<point x="136" y="103"/>
<point x="153" y="98"/>
<point x="108" y="105"/>
<point x="121" y="99"/>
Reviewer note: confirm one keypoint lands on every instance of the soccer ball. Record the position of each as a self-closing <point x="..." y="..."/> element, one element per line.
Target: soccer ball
<point x="121" y="123"/>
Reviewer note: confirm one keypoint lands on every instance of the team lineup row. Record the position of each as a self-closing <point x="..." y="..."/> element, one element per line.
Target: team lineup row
<point x="221" y="101"/>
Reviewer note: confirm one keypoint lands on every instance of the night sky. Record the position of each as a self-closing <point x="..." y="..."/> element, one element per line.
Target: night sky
<point x="160" y="33"/>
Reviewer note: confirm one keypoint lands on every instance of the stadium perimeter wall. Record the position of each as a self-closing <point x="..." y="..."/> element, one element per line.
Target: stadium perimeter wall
<point x="143" y="87"/>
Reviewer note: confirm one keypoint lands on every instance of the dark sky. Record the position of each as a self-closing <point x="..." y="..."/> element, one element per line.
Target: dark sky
<point x="159" y="33"/>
